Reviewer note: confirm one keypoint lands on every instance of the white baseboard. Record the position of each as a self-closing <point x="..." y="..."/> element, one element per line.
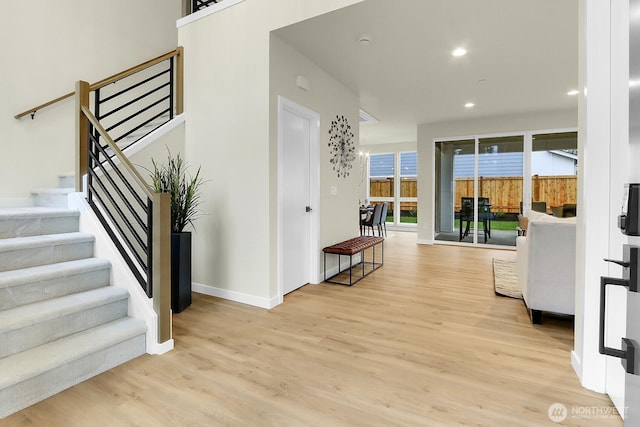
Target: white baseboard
<point x="576" y="363"/>
<point x="424" y="242"/>
<point x="253" y="300"/>
<point x="161" y="348"/>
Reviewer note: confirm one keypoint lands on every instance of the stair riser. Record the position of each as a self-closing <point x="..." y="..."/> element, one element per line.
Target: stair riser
<point x="22" y="227"/>
<point x="17" y="340"/>
<point x="66" y="181"/>
<point x="33" y="256"/>
<point x="51" y="200"/>
<point x="16" y="296"/>
<point x="35" y="389"/>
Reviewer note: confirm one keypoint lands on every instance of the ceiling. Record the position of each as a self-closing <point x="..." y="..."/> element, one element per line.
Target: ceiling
<point x="522" y="55"/>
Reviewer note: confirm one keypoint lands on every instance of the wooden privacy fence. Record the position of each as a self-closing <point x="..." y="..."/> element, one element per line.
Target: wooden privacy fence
<point x="384" y="188"/>
<point x="505" y="193"/>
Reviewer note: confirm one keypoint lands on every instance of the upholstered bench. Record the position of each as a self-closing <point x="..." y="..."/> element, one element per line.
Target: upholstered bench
<point x="351" y="247"/>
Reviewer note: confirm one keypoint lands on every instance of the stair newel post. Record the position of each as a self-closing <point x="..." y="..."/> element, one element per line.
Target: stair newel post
<point x="179" y="80"/>
<point x="161" y="269"/>
<point x="82" y="132"/>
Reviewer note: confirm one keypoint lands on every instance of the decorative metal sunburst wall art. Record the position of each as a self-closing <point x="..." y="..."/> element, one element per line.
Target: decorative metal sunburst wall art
<point x="341" y="148"/>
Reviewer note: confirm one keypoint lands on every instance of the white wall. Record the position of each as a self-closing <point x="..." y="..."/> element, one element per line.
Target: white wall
<point x="603" y="168"/>
<point x="329" y="98"/>
<point x="497" y="124"/>
<point x="48" y="46"/>
<point x="229" y="131"/>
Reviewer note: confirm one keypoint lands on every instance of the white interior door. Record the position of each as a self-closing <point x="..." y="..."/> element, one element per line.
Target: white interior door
<point x="298" y="129"/>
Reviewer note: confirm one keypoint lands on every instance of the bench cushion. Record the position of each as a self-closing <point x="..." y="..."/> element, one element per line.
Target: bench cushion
<point x="353" y="246"/>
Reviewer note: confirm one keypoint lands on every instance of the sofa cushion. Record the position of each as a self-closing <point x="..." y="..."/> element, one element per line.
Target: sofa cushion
<point x="543" y="217"/>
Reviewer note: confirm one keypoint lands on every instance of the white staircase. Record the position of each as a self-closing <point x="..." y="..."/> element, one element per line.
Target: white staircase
<point x="60" y="321"/>
<point x="55" y="197"/>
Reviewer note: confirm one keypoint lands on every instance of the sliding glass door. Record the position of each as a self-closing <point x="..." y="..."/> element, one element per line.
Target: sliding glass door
<point x="500" y="187"/>
<point x="479" y="188"/>
<point x="554" y="168"/>
<point x="454" y="178"/>
<point x="484" y="182"/>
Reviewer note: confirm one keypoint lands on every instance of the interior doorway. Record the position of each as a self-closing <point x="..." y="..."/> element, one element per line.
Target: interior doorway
<point x="298" y="185"/>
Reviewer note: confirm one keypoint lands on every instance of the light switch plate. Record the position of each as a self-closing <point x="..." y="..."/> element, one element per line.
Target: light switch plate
<point x="334" y="190"/>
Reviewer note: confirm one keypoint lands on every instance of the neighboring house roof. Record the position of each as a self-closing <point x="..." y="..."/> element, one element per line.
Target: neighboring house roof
<point x="499" y="164"/>
<point x="383" y="165"/>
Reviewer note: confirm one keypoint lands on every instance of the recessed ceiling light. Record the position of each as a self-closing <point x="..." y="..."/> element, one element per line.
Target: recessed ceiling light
<point x="573" y="92"/>
<point x="459" y="52"/>
<point x="469" y="105"/>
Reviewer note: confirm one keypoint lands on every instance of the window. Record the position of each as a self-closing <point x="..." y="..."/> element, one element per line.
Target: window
<point x="408" y="187"/>
<point x="395" y="183"/>
<point x="381" y="180"/>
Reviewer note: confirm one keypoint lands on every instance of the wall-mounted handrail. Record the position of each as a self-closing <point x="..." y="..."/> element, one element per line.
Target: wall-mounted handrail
<point x="35" y="109"/>
<point x="119" y="76"/>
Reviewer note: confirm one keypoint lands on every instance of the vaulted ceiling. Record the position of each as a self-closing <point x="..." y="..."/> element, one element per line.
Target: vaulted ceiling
<point x="522" y="55"/>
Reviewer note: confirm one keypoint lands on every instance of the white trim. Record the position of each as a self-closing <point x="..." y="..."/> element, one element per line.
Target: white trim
<point x="314" y="190"/>
<point x="425" y="241"/>
<point x="576" y="363"/>
<point x="206" y="12"/>
<point x="472" y="245"/>
<point x="241" y="297"/>
<point x="154" y="135"/>
<point x="527" y="166"/>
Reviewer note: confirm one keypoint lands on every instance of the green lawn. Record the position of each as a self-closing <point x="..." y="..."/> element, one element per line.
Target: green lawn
<point x="498" y="225"/>
<point x="495" y="224"/>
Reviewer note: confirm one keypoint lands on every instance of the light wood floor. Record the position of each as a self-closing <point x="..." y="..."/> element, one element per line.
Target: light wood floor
<point x="423" y="341"/>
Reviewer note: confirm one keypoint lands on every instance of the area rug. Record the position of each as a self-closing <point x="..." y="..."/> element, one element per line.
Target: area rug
<point x="505" y="278"/>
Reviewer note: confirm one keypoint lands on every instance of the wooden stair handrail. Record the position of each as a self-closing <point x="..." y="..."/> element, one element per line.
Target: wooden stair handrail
<point x="146" y="188"/>
<point x="104" y="82"/>
<point x="161" y="263"/>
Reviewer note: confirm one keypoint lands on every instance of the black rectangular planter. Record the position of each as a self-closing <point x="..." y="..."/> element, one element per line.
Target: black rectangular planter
<point x="180" y="271"/>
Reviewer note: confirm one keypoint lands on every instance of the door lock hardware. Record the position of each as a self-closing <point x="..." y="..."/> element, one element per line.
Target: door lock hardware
<point x="627" y="353"/>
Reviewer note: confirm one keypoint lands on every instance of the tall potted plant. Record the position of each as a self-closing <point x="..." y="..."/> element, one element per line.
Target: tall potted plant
<point x="184" y="188"/>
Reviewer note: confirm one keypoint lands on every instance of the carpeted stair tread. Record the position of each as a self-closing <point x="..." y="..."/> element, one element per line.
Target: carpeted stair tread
<point x="33" y="284"/>
<point x="43" y="311"/>
<point x="38" y="360"/>
<point x="41" y="273"/>
<point x="31" y="221"/>
<point x="32" y="325"/>
<point x="23" y="252"/>
<point x="36" y="212"/>
<point x="16" y="243"/>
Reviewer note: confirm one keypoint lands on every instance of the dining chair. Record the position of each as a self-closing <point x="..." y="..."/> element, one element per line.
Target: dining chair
<point x="374" y="221"/>
<point x="383" y="219"/>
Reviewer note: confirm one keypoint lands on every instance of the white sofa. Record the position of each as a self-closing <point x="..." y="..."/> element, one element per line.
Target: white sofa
<point x="546" y="259"/>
